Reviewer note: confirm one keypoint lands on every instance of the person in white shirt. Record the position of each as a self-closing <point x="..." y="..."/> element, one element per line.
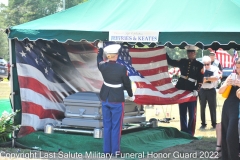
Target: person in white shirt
<point x="216" y="63"/>
<point x="207" y="93"/>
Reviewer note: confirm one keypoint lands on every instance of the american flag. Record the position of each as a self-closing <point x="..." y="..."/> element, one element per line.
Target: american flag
<point x="49" y="71"/>
<point x="224" y="58"/>
<point x="148" y="69"/>
<point x="234" y="59"/>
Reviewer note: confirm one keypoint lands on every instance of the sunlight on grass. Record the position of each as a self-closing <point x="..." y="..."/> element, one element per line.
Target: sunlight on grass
<point x="4" y="89"/>
<point x="5" y="80"/>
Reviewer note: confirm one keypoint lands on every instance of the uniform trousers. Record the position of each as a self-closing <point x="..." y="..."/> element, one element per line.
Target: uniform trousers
<point x="188" y="127"/>
<point x="113" y="113"/>
<point x="208" y="96"/>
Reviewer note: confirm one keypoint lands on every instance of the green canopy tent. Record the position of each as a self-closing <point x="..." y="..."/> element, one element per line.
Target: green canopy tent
<point x="201" y="22"/>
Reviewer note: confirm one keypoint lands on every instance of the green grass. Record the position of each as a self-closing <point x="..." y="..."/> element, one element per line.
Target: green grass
<point x="5" y="106"/>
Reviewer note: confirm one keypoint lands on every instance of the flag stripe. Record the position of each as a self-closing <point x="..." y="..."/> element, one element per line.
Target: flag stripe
<point x="224" y="58"/>
<point x="178" y="93"/>
<point x="152" y="71"/>
<point x="155" y="65"/>
<point x="157" y="77"/>
<point x="34" y="97"/>
<point x="37" y="123"/>
<point x="149" y="60"/>
<point x="30" y="83"/>
<point x="32" y="108"/>
<point x="151" y="51"/>
<point x="159" y="83"/>
<point x="165" y="101"/>
<point x="25" y="70"/>
<point x="25" y="130"/>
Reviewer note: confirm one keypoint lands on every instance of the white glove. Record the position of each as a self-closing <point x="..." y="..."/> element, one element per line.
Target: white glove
<point x="100" y="44"/>
<point x="195" y="93"/>
<point x="131" y="98"/>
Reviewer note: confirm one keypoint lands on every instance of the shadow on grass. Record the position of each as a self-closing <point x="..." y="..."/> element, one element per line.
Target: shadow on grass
<point x="203" y="148"/>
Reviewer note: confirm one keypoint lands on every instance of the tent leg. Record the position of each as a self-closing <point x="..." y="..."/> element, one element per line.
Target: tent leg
<point x="13" y="139"/>
<point x="11" y="84"/>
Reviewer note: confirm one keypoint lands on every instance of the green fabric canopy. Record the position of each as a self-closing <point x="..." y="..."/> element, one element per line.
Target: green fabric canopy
<point x="190" y="21"/>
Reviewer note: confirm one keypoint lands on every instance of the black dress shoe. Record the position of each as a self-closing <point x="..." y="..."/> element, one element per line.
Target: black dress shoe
<point x="202" y="127"/>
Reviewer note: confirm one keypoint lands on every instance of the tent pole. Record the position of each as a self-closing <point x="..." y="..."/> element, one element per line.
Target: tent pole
<point x="11" y="84"/>
<point x="64" y="3"/>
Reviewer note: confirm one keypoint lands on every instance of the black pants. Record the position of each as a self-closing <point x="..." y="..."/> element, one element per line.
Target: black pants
<point x="208" y="96"/>
<point x="230" y="140"/>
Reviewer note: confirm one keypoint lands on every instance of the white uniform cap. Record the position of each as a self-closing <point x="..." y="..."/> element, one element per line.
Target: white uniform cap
<point x="191" y="48"/>
<point x="111" y="49"/>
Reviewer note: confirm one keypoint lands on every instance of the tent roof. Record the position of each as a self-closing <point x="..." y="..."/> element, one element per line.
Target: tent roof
<point x="203" y="21"/>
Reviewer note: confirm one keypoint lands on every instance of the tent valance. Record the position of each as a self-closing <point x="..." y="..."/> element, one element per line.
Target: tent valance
<point x="175" y="38"/>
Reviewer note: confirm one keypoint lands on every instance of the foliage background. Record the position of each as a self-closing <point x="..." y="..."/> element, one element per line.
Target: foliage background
<point x="22" y="11"/>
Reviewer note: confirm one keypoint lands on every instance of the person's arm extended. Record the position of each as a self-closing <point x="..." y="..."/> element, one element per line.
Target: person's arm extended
<point x="99" y="56"/>
<point x="171" y="62"/>
<point x="226" y="83"/>
<point x="127" y="83"/>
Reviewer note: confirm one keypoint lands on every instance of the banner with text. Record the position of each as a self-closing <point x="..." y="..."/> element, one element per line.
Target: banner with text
<point x="133" y="36"/>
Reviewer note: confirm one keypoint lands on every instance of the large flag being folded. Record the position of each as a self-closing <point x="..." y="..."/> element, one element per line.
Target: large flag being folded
<point x="49" y="71"/>
<point x="148" y="69"/>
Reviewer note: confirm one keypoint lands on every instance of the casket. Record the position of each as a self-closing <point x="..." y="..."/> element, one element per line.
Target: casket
<point x="84" y="109"/>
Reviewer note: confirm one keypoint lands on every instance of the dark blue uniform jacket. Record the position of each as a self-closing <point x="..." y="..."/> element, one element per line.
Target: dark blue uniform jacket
<point x="113" y="73"/>
<point x="190" y="69"/>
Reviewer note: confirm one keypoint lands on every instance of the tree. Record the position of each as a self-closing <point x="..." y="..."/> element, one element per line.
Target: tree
<point x="71" y="3"/>
<point x="22" y="11"/>
<point x="3" y="36"/>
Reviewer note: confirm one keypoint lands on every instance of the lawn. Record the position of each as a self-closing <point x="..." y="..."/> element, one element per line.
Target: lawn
<point x="201" y="149"/>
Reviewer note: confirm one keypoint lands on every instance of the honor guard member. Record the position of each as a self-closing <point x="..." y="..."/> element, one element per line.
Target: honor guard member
<point x="191" y="79"/>
<point x="116" y="80"/>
